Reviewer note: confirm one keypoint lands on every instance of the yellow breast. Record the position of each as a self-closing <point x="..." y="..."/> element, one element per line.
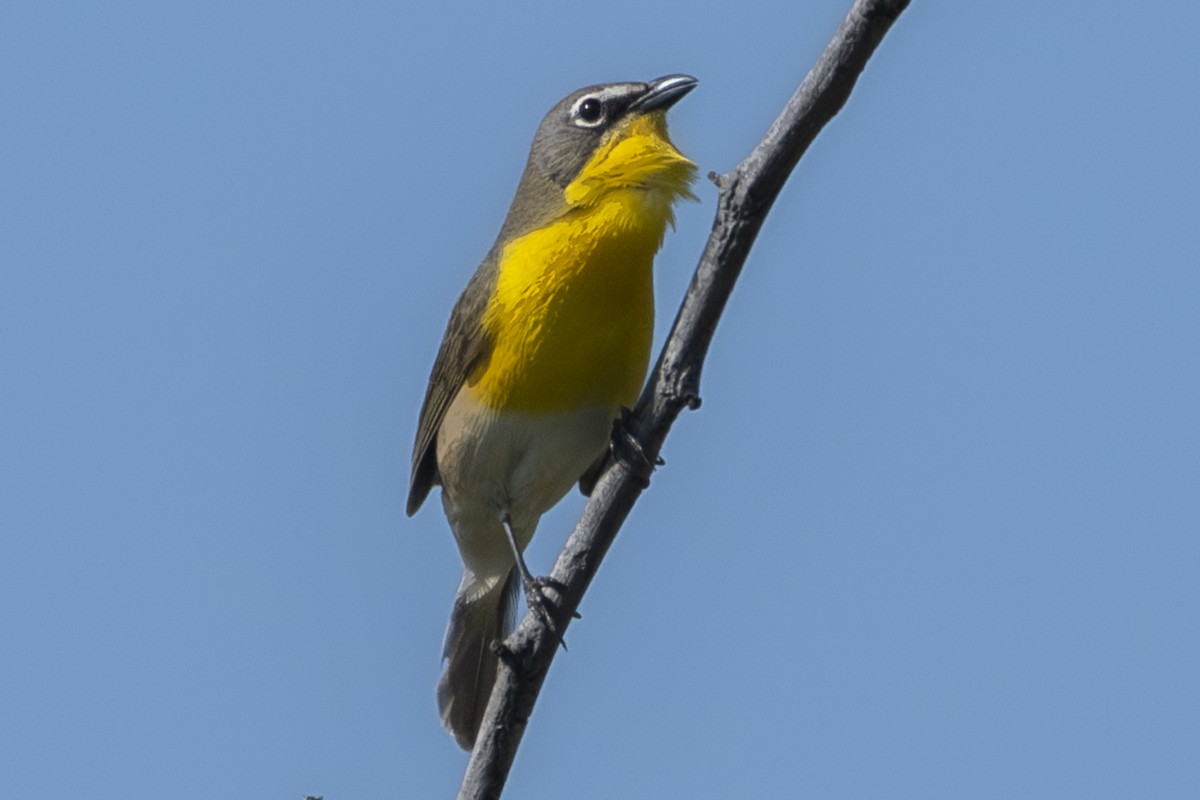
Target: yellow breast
<point x="572" y="314"/>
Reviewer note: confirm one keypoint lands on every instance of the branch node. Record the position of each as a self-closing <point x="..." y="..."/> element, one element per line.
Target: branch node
<point x="685" y="388"/>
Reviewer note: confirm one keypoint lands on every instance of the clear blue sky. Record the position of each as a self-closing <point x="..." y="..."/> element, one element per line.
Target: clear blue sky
<point x="935" y="532"/>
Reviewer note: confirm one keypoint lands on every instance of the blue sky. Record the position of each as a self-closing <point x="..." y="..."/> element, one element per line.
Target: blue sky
<point x="932" y="534"/>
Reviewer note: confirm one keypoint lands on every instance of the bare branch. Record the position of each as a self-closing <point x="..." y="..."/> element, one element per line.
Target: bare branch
<point x="745" y="198"/>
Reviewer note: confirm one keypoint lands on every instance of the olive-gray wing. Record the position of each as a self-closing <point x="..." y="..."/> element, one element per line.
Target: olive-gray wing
<point x="464" y="345"/>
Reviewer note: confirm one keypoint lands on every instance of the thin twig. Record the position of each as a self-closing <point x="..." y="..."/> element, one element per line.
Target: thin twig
<point x="746" y="195"/>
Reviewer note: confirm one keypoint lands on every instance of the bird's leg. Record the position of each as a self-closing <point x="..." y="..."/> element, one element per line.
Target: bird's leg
<point x="536" y="598"/>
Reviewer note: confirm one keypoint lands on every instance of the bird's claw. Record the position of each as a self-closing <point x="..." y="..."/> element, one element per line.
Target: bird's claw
<point x="628" y="449"/>
<point x="545" y="607"/>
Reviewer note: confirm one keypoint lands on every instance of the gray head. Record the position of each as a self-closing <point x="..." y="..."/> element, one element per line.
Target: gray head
<point x="570" y="132"/>
<point x="568" y="137"/>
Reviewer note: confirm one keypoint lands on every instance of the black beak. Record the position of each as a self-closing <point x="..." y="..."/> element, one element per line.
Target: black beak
<point x="664" y="92"/>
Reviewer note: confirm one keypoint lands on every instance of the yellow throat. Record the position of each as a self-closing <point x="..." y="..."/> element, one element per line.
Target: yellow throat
<point x="572" y="313"/>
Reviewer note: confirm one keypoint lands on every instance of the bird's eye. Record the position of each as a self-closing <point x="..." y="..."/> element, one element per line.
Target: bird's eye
<point x="589" y="111"/>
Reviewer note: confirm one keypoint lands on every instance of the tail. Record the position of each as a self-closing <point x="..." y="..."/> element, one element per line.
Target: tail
<point x="466" y="684"/>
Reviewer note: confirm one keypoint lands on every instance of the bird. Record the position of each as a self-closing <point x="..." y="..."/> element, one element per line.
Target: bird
<point x="546" y="346"/>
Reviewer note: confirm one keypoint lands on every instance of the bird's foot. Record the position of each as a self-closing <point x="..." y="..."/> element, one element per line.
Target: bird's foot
<point x="629" y="450"/>
<point x="544" y="606"/>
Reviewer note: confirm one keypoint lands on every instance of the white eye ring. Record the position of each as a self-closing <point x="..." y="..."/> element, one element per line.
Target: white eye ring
<point x="588" y="112"/>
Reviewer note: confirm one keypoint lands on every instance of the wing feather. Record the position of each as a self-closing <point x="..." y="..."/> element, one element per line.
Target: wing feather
<point x="464" y="345"/>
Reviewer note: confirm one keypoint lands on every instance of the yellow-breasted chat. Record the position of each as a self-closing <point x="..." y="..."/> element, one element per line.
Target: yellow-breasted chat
<point x="549" y="340"/>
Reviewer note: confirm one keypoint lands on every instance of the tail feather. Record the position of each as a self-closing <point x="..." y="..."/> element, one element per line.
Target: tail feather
<point x="466" y="684"/>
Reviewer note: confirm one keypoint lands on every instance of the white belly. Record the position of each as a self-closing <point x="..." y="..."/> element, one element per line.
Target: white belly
<point x="513" y="462"/>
